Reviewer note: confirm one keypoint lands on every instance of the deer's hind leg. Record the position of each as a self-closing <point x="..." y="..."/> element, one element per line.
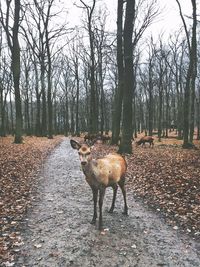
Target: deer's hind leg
<point x="115" y="187"/>
<point x="121" y="183"/>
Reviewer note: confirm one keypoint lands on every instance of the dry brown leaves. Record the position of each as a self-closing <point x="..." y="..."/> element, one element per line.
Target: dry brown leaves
<point x="18" y="164"/>
<point x="169" y="180"/>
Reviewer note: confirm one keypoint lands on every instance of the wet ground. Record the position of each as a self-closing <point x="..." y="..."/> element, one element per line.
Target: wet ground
<point x="58" y="232"/>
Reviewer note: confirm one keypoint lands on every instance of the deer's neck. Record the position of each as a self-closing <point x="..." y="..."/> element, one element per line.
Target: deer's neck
<point x="90" y="169"/>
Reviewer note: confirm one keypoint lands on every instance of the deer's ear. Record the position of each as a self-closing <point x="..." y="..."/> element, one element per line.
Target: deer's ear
<point x="74" y="144"/>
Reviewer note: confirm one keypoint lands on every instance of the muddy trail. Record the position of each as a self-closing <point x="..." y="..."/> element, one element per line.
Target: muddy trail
<point x="57" y="232"/>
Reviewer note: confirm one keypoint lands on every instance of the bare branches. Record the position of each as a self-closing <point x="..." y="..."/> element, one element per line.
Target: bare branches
<point x="4" y="20"/>
<point x="150" y="11"/>
<point x="184" y="24"/>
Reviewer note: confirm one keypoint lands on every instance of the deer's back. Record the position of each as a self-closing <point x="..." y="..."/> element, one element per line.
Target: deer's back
<point x="110" y="169"/>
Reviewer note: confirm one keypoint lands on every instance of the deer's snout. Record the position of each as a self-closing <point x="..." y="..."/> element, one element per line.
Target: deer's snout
<point x="83" y="163"/>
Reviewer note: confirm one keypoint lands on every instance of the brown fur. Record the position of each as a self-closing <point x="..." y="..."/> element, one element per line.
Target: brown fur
<point x="101" y="173"/>
<point x="97" y="137"/>
<point x="145" y="139"/>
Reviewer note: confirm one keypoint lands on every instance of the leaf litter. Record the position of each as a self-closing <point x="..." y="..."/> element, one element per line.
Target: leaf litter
<point x="19" y="165"/>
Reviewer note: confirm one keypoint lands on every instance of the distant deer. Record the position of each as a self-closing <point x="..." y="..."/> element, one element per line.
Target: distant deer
<point x="101" y="173"/>
<point x="105" y="138"/>
<point x="145" y="139"/>
<point x="90" y="137"/>
<point x="97" y="137"/>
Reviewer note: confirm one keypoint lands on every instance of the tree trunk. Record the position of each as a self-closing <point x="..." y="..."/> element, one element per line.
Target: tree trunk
<point x="16" y="74"/>
<point x="49" y="93"/>
<point x="150" y="117"/>
<point x="193" y="56"/>
<point x="127" y="129"/>
<point x="38" y="130"/>
<point x="77" y="97"/>
<point x="93" y="93"/>
<point x="72" y="128"/>
<point x="44" y="108"/>
<point x="160" y="115"/>
<point x="189" y="93"/>
<point x="120" y="65"/>
<point x="26" y="104"/>
<point x="198" y="116"/>
<point x="2" y="115"/>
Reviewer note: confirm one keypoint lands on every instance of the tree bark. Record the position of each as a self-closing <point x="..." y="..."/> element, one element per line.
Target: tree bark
<point x="189" y="94"/>
<point x="193" y="56"/>
<point x="150" y="89"/>
<point x="127" y="129"/>
<point x="16" y="73"/>
<point x="120" y="65"/>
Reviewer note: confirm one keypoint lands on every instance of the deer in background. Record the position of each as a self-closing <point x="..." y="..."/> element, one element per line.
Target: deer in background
<point x="145" y="139"/>
<point x="101" y="173"/>
<point x="97" y="137"/>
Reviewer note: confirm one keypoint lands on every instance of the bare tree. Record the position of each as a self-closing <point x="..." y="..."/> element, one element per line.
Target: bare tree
<point x="150" y="87"/>
<point x="42" y="38"/>
<point x="101" y="48"/>
<point x="74" y="51"/>
<point x="127" y="131"/>
<point x="189" y="96"/>
<point x="26" y="88"/>
<point x="120" y="66"/>
<point x="13" y="44"/>
<point x="93" y="96"/>
<point x="5" y="88"/>
<point x="161" y="71"/>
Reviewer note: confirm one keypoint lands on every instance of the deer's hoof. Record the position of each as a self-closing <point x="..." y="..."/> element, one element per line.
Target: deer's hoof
<point x="110" y="210"/>
<point x="93" y="222"/>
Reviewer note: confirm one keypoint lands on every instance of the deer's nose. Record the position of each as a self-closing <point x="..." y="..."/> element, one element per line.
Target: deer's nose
<point x="83" y="162"/>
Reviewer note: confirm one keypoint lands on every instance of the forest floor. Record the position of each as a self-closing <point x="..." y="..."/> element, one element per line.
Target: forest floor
<point x="45" y="208"/>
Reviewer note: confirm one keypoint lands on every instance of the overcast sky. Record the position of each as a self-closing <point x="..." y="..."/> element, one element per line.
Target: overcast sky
<point x="168" y="22"/>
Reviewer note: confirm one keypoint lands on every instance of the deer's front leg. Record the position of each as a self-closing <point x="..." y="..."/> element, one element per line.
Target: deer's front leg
<point x="101" y="197"/>
<point x="95" y="195"/>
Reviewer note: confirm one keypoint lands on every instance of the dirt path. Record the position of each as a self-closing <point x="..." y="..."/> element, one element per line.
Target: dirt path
<point x="58" y="232"/>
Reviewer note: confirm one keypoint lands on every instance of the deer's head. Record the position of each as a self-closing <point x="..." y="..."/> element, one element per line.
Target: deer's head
<point x="84" y="151"/>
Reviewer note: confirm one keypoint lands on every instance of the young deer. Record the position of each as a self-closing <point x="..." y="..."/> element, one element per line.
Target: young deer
<point x="101" y="173"/>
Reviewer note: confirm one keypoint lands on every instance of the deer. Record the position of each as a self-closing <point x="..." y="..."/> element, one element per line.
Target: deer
<point x="104" y="138"/>
<point x="96" y="137"/>
<point x="145" y="139"/>
<point x="108" y="171"/>
<point x="90" y="137"/>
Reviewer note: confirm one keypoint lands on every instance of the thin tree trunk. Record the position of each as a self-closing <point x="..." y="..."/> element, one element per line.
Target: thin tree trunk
<point x="150" y="120"/>
<point x="49" y="98"/>
<point x="77" y="97"/>
<point x="198" y="116"/>
<point x="44" y="108"/>
<point x="38" y="130"/>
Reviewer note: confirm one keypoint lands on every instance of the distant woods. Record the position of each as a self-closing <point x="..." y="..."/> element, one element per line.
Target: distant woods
<point x="58" y="79"/>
